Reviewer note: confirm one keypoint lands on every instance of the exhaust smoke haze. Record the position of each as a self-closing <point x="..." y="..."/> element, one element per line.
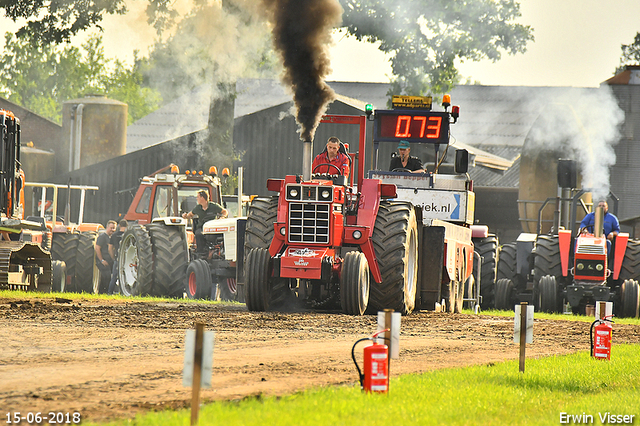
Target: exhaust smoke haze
<point x="302" y="36"/>
<point x="583" y="126"/>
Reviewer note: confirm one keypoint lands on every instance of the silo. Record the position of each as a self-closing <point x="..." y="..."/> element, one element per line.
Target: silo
<point x="539" y="178"/>
<point x="94" y="129"/>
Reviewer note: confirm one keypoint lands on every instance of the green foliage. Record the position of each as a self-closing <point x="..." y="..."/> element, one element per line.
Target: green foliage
<point x="55" y="22"/>
<point x="426" y="38"/>
<point x="496" y="394"/>
<point x="42" y="77"/>
<point x="630" y="54"/>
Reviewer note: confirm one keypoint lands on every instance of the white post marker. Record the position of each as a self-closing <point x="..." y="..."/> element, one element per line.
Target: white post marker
<point x="394" y="340"/>
<point x="523" y="329"/>
<point x="606" y="312"/>
<point x="198" y="365"/>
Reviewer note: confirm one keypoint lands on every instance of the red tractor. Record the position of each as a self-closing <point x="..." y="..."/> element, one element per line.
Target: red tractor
<point x="551" y="270"/>
<point x="328" y="244"/>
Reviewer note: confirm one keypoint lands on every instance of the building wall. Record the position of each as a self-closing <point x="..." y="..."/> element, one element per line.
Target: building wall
<point x="44" y="133"/>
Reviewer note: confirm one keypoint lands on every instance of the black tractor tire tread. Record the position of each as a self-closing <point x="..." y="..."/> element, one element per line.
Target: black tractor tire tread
<point x="488" y="249"/>
<point x="171" y="259"/>
<point x="85" y="260"/>
<point x="389" y="237"/>
<point x="64" y="247"/>
<point x="547" y="257"/>
<point x="507" y="262"/>
<point x="263" y="213"/>
<point x="631" y="263"/>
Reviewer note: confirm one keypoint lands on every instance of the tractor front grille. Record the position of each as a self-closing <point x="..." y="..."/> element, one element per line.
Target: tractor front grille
<point x="309" y="223"/>
<point x="590" y="249"/>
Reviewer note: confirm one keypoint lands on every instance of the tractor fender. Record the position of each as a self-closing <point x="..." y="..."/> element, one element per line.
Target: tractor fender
<point x="618" y="254"/>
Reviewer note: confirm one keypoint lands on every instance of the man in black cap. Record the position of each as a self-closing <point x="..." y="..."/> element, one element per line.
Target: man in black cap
<point x="402" y="159"/>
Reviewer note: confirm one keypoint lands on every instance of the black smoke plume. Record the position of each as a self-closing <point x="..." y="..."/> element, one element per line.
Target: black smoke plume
<point x="302" y="36"/>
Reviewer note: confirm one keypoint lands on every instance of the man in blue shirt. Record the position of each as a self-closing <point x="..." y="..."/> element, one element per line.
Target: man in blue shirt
<point x="611" y="224"/>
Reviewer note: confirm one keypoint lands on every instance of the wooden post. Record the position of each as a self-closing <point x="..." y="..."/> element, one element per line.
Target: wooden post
<point x="197" y="374"/>
<point x="523" y="334"/>
<point x="387" y="335"/>
<point x="603" y="310"/>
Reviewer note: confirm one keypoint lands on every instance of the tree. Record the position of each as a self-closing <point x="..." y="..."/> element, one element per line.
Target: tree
<point x="57" y="21"/>
<point x="425" y="38"/>
<point x="630" y="54"/>
<point x="41" y="78"/>
<point x="213" y="44"/>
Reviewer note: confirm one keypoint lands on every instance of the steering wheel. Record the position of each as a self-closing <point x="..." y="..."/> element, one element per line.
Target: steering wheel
<point x="330" y="165"/>
<point x="401" y="169"/>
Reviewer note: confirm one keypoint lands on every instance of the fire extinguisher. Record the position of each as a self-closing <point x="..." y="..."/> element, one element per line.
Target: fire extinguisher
<point x="601" y="343"/>
<point x="376" y="365"/>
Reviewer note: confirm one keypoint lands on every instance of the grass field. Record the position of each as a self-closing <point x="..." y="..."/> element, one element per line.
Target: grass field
<point x="482" y="395"/>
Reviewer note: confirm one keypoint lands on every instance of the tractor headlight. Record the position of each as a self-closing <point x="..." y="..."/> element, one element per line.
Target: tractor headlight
<point x="580" y="266"/>
<point x="599" y="267"/>
<point x="293" y="193"/>
<point x="283" y="231"/>
<point x="325" y="195"/>
<point x="357" y="235"/>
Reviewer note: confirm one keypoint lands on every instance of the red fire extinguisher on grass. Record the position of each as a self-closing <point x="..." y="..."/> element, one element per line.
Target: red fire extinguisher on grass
<point x="600" y="338"/>
<point x="376" y="365"/>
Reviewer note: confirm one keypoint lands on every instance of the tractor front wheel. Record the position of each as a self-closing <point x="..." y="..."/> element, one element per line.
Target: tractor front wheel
<point x="354" y="284"/>
<point x="258" y="272"/>
<point x="198" y="284"/>
<point x="629" y="299"/>
<point x="504" y="294"/>
<point x="548" y="294"/>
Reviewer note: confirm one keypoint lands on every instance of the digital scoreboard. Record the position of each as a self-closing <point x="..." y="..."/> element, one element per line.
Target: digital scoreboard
<point x="421" y="126"/>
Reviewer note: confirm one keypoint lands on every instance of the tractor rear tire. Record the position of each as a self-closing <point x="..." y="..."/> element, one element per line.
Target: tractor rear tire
<point x="258" y="273"/>
<point x="395" y="243"/>
<point x="263" y="212"/>
<point x="547" y="257"/>
<point x="59" y="276"/>
<point x="85" y="262"/>
<point x="170" y="259"/>
<point x="354" y="284"/>
<point x="64" y="247"/>
<point x="629" y="299"/>
<point x="631" y="263"/>
<point x="135" y="262"/>
<point x="548" y="294"/>
<point x="488" y="249"/>
<point x="504" y="294"/>
<point x="198" y="285"/>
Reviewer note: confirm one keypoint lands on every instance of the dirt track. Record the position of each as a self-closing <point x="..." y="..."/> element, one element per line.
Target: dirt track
<point x="113" y="359"/>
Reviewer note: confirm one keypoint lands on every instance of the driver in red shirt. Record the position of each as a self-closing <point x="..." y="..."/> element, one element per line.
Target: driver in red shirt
<point x="331" y="155"/>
